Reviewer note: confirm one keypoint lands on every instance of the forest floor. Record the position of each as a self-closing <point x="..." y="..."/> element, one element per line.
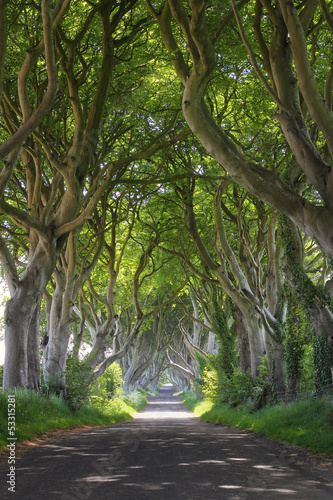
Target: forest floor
<point x="165" y="452"/>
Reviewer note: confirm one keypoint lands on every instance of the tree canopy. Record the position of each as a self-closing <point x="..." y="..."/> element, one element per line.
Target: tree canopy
<point x="166" y="191"/>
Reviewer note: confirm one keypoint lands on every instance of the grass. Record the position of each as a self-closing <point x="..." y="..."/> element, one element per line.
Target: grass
<point x="36" y="414"/>
<point x="305" y="423"/>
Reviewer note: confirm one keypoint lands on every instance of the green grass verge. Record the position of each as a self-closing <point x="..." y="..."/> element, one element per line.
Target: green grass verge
<point x="36" y="414"/>
<point x="305" y="423"/>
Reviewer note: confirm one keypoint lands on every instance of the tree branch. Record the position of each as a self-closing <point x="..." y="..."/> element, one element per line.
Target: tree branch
<point x="30" y="123"/>
<point x="8" y="264"/>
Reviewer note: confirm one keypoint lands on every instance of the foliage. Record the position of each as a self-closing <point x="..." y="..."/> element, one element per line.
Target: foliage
<point x="203" y="363"/>
<point x="221" y="369"/>
<point x="307" y="379"/>
<point x="305" y="299"/>
<point x="122" y="406"/>
<point x="238" y="388"/>
<point x="109" y="384"/>
<point x="307" y="292"/>
<point x="296" y="336"/>
<point x="193" y="401"/>
<point x="210" y="383"/>
<point x="112" y="158"/>
<point x="136" y="399"/>
<point x="78" y="380"/>
<point x="322" y="354"/>
<point x="223" y="380"/>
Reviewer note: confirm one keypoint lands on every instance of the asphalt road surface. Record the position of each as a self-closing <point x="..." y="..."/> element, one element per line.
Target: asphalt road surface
<point x="166" y="453"/>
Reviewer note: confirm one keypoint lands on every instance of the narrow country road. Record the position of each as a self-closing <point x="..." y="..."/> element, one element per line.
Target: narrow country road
<point x="166" y="453"/>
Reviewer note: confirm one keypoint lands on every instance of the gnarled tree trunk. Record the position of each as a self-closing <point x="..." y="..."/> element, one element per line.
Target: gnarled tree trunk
<point x="22" y="320"/>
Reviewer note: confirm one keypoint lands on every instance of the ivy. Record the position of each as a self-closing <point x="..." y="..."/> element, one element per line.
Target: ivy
<point x="78" y="380"/>
<point x="279" y="333"/>
<point x="296" y="327"/>
<point x="226" y="355"/>
<point x="322" y="360"/>
<point x="305" y="289"/>
<point x="307" y="294"/>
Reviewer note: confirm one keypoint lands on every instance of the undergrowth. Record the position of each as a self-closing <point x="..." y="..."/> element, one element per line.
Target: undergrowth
<point x="305" y="423"/>
<point x="36" y="413"/>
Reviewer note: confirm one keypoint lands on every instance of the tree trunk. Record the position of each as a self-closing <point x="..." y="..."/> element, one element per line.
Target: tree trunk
<point x="256" y="333"/>
<point x="34" y="376"/>
<point x="55" y="355"/>
<point x="22" y="321"/>
<point x="313" y="299"/>
<point x="276" y="365"/>
<point x="18" y="314"/>
<point x="196" y="326"/>
<point x="243" y="341"/>
<point x="97" y="355"/>
<point x="211" y="343"/>
<point x="55" y="352"/>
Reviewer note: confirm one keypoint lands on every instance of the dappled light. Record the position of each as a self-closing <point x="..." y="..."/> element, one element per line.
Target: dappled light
<point x="165" y="451"/>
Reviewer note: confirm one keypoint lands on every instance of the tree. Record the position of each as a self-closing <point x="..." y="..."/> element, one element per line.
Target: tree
<point x="66" y="160"/>
<point x="283" y="34"/>
<point x="109" y="205"/>
<point x="279" y="44"/>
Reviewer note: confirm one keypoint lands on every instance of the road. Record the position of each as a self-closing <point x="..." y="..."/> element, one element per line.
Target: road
<point x="165" y="453"/>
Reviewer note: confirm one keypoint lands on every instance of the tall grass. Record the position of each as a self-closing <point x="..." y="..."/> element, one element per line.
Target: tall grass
<point x="306" y="423"/>
<point x="37" y="414"/>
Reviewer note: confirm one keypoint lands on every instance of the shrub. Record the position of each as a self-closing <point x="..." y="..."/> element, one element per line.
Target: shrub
<point x="113" y="380"/>
<point x="233" y="390"/>
<point x="78" y="380"/>
<point x="136" y="399"/>
<point x="108" y="385"/>
<point x="210" y="383"/>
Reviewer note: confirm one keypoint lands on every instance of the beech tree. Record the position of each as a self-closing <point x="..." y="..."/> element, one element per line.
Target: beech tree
<point x="91" y="114"/>
<point x="283" y="51"/>
<point x="76" y="59"/>
<point x="285" y="36"/>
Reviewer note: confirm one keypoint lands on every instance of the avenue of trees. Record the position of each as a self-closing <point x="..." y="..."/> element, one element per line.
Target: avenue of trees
<point x="166" y="192"/>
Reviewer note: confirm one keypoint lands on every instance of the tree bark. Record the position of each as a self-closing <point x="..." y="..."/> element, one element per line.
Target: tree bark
<point x="243" y="341"/>
<point x="34" y="362"/>
<point x="55" y="352"/>
<point x="22" y="320"/>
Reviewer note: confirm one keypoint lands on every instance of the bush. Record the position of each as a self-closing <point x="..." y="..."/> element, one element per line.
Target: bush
<point x="192" y="399"/>
<point x="238" y="388"/>
<point x="108" y="385"/>
<point x="121" y="407"/>
<point x="78" y="380"/>
<point x="136" y="399"/>
<point x="210" y="383"/>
